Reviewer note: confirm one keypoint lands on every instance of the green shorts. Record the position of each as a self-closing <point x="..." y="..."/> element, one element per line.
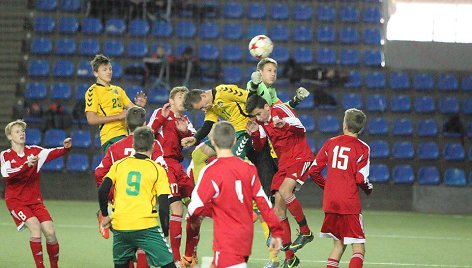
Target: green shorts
<point x="241" y="147"/>
<point x="152" y="241"/>
<point x="108" y="143"/>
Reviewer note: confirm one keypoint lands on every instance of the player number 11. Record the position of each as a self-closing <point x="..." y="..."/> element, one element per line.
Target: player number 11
<point x="338" y="152"/>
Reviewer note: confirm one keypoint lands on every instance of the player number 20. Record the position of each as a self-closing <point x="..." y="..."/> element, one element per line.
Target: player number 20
<point x="338" y="152"/>
<point x="134" y="182"/>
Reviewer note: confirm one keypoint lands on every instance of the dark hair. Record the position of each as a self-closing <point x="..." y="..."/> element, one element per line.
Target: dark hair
<point x="255" y="102"/>
<point x="355" y="120"/>
<point x="143" y="139"/>
<point x="222" y="135"/>
<point x="193" y="96"/>
<point x="98" y="60"/>
<point x="135" y="117"/>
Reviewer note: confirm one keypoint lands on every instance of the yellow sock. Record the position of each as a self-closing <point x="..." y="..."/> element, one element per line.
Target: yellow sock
<point x="266" y="230"/>
<point x="198" y="158"/>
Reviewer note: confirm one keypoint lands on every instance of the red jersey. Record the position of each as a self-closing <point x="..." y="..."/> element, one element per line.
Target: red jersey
<point x="227" y="187"/>
<point x="347" y="160"/>
<point x="167" y="133"/>
<point x="22" y="182"/>
<point x="289" y="142"/>
<point x="120" y="150"/>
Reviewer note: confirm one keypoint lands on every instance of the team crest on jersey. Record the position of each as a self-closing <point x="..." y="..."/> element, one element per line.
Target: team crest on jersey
<point x="220" y="104"/>
<point x="116" y="91"/>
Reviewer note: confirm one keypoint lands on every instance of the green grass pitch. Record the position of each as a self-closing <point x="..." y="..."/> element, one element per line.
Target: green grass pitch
<point x="394" y="239"/>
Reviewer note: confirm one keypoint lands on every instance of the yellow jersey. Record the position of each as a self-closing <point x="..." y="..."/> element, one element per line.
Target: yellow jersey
<point x="107" y="101"/>
<point x="229" y="102"/>
<point x="138" y="181"/>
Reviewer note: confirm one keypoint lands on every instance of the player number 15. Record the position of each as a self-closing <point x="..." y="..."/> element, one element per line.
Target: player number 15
<point x="338" y="152"/>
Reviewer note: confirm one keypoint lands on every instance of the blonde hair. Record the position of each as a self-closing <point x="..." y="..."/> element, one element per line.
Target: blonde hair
<point x="264" y="61"/>
<point x="176" y="90"/>
<point x="10" y="125"/>
<point x="355" y="120"/>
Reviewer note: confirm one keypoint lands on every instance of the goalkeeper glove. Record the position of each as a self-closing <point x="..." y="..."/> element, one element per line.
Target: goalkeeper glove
<point x="302" y="93"/>
<point x="256" y="78"/>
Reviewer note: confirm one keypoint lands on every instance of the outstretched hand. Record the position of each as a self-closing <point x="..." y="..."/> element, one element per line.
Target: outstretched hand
<point x="32" y="160"/>
<point x="67" y="143"/>
<point x="188" y="141"/>
<point x="140" y="99"/>
<point x="181" y="125"/>
<point x="166" y="110"/>
<point x="251" y="127"/>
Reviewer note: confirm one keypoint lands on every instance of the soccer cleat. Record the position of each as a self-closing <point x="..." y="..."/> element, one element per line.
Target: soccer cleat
<point x="272" y="264"/>
<point x="301" y="241"/>
<point x="188" y="262"/>
<point x="105" y="232"/>
<point x="291" y="262"/>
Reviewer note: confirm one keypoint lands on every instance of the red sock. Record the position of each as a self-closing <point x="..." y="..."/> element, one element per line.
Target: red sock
<point x="295" y="208"/>
<point x="357" y="260"/>
<point x="141" y="259"/>
<point x="332" y="263"/>
<point x="193" y="236"/>
<point x="287" y="238"/>
<point x="53" y="252"/>
<point x="131" y="264"/>
<point x="175" y="235"/>
<point x="37" y="250"/>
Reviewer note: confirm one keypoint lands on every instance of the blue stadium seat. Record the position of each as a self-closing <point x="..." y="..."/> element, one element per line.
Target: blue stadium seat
<point x="233" y="10"/>
<point x="403" y="174"/>
<point x="80" y="91"/>
<point x="426" y="128"/>
<point x="54" y="165"/>
<point x="232" y="31"/>
<point x="44" y="24"/>
<point x="399" y="80"/>
<point x="352" y="100"/>
<point x="428" y="151"/>
<point x="60" y="91"/>
<point x="424" y="104"/>
<point x="161" y="29"/>
<point x="325" y="34"/>
<point x="113" y="47"/>
<point x="303" y="34"/>
<point x="403" y="150"/>
<point x="117" y="70"/>
<point x="138" y="27"/>
<point x="38" y="68"/>
<point x="428" y="175"/>
<point x="137" y="49"/>
<point x="41" y="46"/>
<point x="280" y="54"/>
<point x="329" y="124"/>
<point x="400" y="103"/>
<point x="84" y="70"/>
<point x="33" y="136"/>
<point x="423" y="81"/>
<point x="68" y="25"/>
<point x="132" y="91"/>
<point x="232" y="53"/>
<point x="307" y="103"/>
<point x="96" y="140"/>
<point x="232" y="75"/>
<point x="302" y="12"/>
<point x="256" y="11"/>
<point x="115" y="26"/>
<point x="325" y="13"/>
<point x="469" y="129"/>
<point x="379" y="149"/>
<point x="326" y="56"/>
<point x="454" y="151"/>
<point x="179" y="48"/>
<point x="35" y="90"/>
<point x="373" y="57"/>
<point x="308" y="122"/>
<point x="185" y="29"/>
<point x="91" y="26"/>
<point x="81" y="138"/>
<point x="70" y="5"/>
<point x="467" y="106"/>
<point x="256" y="29"/>
<point x="158" y="96"/>
<point x="448" y="104"/>
<point x="379" y="173"/>
<point x="54" y="137"/>
<point x="372" y="36"/>
<point x="349" y="14"/>
<point x="466" y="83"/>
<point x="349" y="35"/>
<point x="311" y="143"/>
<point x="448" y="82"/>
<point x="283" y="95"/>
<point x="96" y="160"/>
<point x="375" y="80"/>
<point x="63" y="68"/>
<point x="455" y="177"/>
<point x="372" y="15"/>
<point x="77" y="162"/>
<point x="279" y="32"/>
<point x="279" y="11"/>
<point x="132" y="76"/>
<point x="303" y="55"/>
<point x="209" y="30"/>
<point x="354" y="80"/>
<point x="349" y="56"/>
<point x="208" y="52"/>
<point x="46" y="5"/>
<point x="199" y="119"/>
<point x="65" y="46"/>
<point x="376" y="103"/>
<point x="402" y="127"/>
<point x="89" y="47"/>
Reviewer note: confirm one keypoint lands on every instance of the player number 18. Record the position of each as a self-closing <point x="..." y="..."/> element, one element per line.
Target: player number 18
<point x="338" y="152"/>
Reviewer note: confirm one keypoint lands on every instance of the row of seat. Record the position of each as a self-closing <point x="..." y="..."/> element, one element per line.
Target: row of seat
<point x="404" y="127"/>
<point x="452" y="151"/>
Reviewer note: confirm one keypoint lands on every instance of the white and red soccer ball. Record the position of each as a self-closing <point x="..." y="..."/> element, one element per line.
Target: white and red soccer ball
<point x="260" y="46"/>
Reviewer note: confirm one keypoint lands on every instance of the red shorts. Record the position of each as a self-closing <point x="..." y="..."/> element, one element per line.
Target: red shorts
<point x="348" y="228"/>
<point x="180" y="183"/>
<point x="297" y="171"/>
<point x="222" y="259"/>
<point x="21" y="213"/>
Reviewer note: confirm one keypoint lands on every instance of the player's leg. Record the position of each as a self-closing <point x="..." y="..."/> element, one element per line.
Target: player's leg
<point x="336" y="253"/>
<point x="52" y="245"/>
<point x="153" y="242"/>
<point x="280" y="210"/>
<point x="34" y="226"/>
<point x="358" y="252"/>
<point x="242" y="145"/>
<point x="193" y="237"/>
<point x="123" y="252"/>
<point x="199" y="157"/>
<point x="228" y="260"/>
<point x="176" y="207"/>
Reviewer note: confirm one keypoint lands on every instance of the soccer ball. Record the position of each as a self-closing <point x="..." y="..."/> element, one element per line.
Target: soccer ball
<point x="260" y="46"/>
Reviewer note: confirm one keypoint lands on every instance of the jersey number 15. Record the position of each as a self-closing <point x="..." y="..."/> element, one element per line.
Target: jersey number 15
<point x="338" y="152"/>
